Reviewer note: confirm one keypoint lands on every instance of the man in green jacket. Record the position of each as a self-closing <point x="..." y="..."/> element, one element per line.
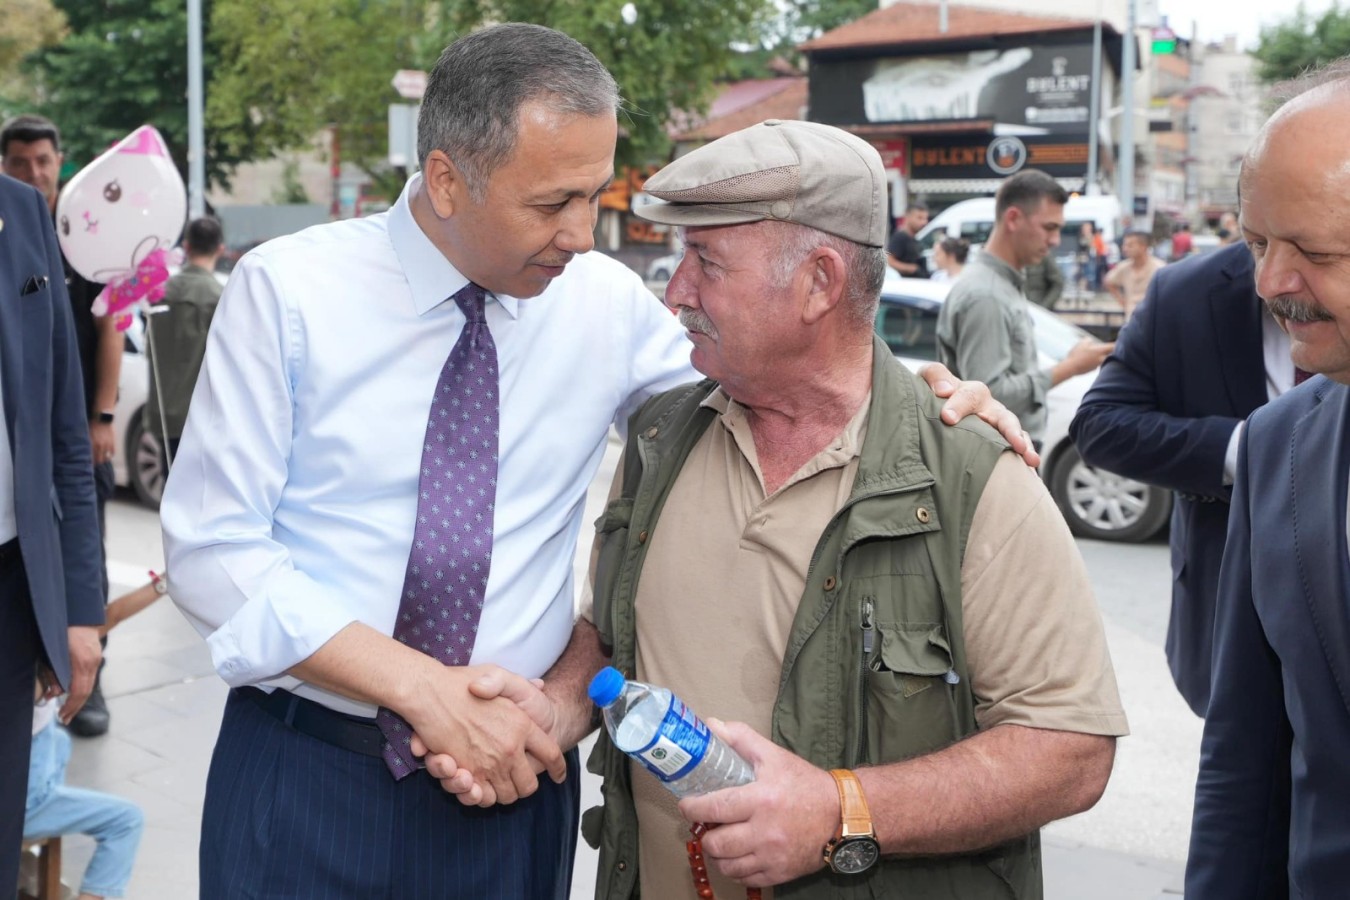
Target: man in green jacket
<point x="178" y="334"/>
<point x="892" y="610"/>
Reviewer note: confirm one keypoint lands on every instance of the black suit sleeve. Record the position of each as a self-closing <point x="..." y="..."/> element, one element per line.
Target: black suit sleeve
<point x="1121" y="426"/>
<point x="1240" y="832"/>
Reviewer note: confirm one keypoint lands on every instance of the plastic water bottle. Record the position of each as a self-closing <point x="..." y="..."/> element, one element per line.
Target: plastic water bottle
<point x="654" y="727"/>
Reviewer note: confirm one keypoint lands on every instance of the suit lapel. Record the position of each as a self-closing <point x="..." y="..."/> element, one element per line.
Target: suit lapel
<point x="11" y="329"/>
<point x="1235" y="313"/>
<point x="1320" y="454"/>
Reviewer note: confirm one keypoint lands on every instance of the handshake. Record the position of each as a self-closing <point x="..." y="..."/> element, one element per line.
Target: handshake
<point x="487" y="733"/>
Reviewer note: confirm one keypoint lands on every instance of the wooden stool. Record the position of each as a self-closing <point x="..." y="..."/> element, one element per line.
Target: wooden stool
<point x="49" y="867"/>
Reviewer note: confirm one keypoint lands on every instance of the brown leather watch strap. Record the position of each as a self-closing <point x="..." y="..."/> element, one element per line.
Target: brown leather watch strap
<point x="856" y="817"/>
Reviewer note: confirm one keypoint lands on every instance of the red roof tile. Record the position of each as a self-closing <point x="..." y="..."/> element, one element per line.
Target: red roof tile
<point x="747" y="103"/>
<point x="911" y="22"/>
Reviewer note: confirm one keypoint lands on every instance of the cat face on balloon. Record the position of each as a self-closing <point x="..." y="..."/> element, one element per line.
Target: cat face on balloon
<point x="123" y="206"/>
<point x="118" y="217"/>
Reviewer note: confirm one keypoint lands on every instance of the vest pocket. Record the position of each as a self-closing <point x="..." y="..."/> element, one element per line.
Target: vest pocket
<point x="910" y="708"/>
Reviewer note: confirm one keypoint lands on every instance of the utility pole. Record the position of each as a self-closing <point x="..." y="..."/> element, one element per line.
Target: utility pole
<point x="196" y="139"/>
<point x="1125" y="167"/>
<point x="1091" y="187"/>
<point x="942" y="16"/>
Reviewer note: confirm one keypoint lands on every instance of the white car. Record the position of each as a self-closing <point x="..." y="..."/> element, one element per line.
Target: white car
<point x="1095" y="503"/>
<point x="139" y="463"/>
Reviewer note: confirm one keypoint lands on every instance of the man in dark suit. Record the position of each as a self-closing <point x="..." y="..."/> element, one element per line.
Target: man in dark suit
<point x="1188" y="368"/>
<point x="1274" y="786"/>
<point x="50" y="602"/>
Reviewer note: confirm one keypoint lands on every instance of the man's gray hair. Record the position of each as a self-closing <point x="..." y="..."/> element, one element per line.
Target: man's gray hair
<point x="475" y="92"/>
<point x="865" y="266"/>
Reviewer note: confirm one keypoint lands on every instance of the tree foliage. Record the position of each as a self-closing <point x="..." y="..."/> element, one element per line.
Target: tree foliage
<point x="279" y="72"/>
<point x="26" y="27"/>
<point x="1302" y="42"/>
<point x="123" y="65"/>
<point x="292" y="67"/>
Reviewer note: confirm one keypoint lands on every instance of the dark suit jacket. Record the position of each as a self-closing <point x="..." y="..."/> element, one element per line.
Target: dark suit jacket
<point x="46" y="427"/>
<point x="1186" y="369"/>
<point x="1272" y="803"/>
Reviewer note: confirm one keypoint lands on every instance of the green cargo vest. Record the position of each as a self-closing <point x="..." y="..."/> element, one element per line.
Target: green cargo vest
<point x="875" y="667"/>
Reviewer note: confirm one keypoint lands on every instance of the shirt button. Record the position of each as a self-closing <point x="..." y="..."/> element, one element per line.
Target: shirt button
<point x="922" y="515"/>
<point x="650" y="432"/>
<point x="642" y="537"/>
<point x="830" y="582"/>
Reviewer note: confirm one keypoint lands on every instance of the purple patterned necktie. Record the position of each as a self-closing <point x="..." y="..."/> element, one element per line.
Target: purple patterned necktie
<point x="452" y="543"/>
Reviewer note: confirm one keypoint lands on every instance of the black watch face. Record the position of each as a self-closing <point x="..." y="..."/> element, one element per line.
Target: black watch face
<point x="855" y="855"/>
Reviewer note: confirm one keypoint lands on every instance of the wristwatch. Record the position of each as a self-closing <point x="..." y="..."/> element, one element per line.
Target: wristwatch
<point x="105" y="417"/>
<point x="854" y="848"/>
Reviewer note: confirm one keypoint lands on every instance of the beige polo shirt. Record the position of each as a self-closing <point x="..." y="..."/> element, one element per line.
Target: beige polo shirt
<point x="726" y="569"/>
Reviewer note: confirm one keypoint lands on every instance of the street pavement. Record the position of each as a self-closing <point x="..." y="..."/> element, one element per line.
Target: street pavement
<point x="166" y="704"/>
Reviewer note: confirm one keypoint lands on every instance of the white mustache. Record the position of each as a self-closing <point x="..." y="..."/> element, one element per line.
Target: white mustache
<point x="1294" y="310"/>
<point x="697" y="322"/>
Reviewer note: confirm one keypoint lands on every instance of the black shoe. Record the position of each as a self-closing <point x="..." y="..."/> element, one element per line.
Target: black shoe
<point x="93" y="718"/>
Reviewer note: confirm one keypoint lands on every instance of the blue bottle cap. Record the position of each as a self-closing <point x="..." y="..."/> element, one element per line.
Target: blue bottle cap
<point x="606" y="686"/>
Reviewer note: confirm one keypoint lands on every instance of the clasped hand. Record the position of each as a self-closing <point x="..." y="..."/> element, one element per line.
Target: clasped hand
<point x="490" y="737"/>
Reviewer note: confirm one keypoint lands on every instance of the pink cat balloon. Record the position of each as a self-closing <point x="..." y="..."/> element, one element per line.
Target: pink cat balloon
<point x="118" y="218"/>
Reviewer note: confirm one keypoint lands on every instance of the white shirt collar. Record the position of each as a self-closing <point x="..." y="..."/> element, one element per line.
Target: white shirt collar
<point x="431" y="277"/>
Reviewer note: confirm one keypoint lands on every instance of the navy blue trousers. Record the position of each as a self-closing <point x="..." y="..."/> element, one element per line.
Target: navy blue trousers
<point x="289" y="816"/>
<point x="19" y="657"/>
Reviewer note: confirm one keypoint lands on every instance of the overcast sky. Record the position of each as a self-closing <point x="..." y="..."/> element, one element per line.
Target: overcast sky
<point x="1216" y="18"/>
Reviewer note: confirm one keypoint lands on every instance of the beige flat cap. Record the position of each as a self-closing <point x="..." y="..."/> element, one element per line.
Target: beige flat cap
<point x="804" y="172"/>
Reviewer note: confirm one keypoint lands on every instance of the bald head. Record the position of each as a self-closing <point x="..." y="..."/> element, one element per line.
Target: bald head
<point x="1296" y="218"/>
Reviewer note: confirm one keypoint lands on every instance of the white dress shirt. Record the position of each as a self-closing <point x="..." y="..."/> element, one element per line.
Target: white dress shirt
<point x="289" y="511"/>
<point x="1275" y="348"/>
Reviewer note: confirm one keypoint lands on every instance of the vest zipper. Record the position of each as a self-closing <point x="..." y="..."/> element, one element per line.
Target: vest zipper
<point x="868" y="642"/>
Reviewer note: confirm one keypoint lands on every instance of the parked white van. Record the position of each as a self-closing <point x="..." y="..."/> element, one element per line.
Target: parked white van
<point x="974" y="220"/>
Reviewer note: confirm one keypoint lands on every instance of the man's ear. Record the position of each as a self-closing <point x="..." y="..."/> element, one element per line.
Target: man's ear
<point x="443" y="183"/>
<point x="828" y="278"/>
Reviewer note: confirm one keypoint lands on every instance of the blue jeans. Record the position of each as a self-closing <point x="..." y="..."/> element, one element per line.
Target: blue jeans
<point x="55" y="809"/>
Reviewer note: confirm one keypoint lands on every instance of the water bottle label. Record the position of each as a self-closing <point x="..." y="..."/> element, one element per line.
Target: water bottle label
<point x="680" y="743"/>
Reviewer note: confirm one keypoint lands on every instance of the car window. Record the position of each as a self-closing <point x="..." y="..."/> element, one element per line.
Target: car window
<point x="977" y="232"/>
<point x="908" y="328"/>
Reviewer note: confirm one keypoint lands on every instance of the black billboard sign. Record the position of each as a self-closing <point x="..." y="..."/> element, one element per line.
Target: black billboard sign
<point x="1044" y="87"/>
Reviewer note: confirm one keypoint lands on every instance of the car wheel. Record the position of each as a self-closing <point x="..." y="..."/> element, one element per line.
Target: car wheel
<point x="1102" y="505"/>
<point x="145" y="463"/>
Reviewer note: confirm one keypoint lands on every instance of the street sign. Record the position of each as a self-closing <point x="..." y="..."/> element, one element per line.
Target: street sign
<point x="411" y="84"/>
<point x="403" y="135"/>
<point x="1164" y="40"/>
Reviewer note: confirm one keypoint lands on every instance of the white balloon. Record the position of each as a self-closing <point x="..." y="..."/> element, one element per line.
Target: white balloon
<point x="121" y="207"/>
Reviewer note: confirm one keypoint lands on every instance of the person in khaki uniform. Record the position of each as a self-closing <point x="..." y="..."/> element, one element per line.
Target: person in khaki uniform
<point x="178" y="342"/>
<point x="893" y="612"/>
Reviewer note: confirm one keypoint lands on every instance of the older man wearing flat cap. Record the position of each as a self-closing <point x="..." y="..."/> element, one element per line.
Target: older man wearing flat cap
<point x="889" y="615"/>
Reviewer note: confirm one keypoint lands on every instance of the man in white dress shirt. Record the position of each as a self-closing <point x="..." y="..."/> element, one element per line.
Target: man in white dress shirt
<point x="293" y="502"/>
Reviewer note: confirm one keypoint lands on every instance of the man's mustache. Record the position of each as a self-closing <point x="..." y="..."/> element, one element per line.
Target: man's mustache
<point x="1292" y="309"/>
<point x="697" y="322"/>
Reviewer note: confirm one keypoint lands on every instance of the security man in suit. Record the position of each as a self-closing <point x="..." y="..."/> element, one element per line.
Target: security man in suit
<point x="50" y="601"/>
<point x="1271" y="798"/>
<point x="1196" y="359"/>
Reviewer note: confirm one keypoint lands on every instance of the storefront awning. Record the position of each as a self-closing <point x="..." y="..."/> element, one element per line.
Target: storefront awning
<point x="974" y="185"/>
